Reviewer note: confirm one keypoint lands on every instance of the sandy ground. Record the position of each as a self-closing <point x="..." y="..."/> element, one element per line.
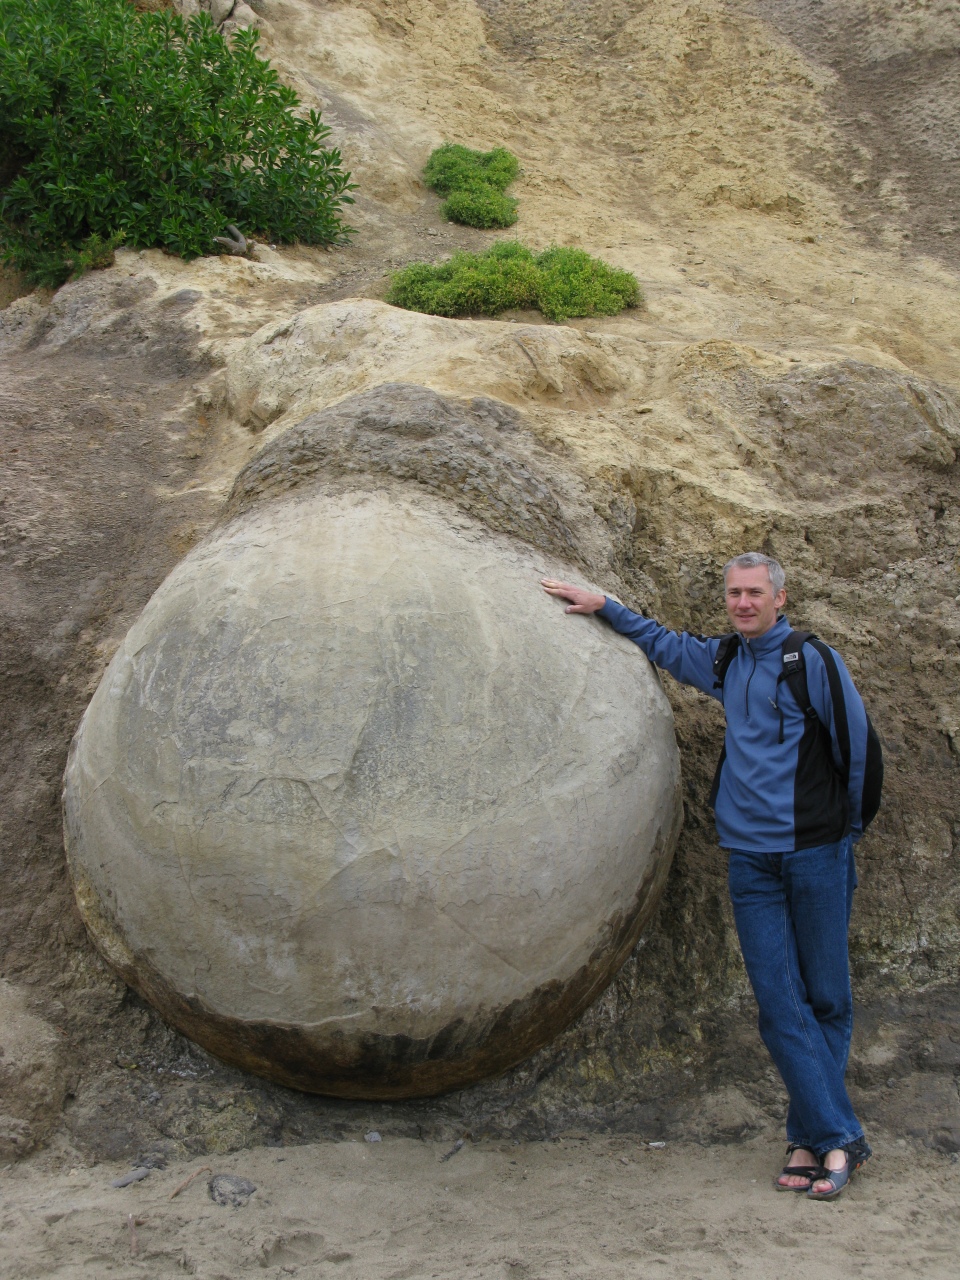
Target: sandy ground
<point x="589" y="1208"/>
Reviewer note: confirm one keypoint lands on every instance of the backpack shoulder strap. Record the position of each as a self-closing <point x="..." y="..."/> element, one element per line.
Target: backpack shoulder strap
<point x="726" y="652"/>
<point x="793" y="673"/>
<point x="840" y="721"/>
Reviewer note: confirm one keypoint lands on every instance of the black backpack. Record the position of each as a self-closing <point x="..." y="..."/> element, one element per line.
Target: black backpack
<point x="793" y="674"/>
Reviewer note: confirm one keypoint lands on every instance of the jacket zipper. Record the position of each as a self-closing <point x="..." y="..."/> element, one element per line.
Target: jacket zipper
<point x="746" y="687"/>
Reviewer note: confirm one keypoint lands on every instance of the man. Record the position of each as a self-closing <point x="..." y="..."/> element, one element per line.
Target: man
<point x="789" y="824"/>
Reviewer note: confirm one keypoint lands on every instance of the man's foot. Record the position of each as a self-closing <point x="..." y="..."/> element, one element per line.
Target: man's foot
<point x="799" y="1171"/>
<point x="838" y="1165"/>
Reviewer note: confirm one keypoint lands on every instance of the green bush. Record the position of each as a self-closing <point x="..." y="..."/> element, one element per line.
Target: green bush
<point x="561" y="283"/>
<point x="481" y="207"/>
<point x="453" y="166"/>
<point x="574" y="284"/>
<point x="487" y="283"/>
<point x="474" y="183"/>
<point x="50" y="267"/>
<point x="118" y="124"/>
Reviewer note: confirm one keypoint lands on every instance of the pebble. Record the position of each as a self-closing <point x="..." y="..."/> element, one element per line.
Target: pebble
<point x="372" y="1136"/>
<point x="128" y="1179"/>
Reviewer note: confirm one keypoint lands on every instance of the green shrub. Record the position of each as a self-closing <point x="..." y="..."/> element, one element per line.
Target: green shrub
<point x="480" y="207"/>
<point x="487" y="283"/>
<point x="574" y="284"/>
<point x="561" y="283"/>
<point x="474" y="183"/>
<point x="453" y="166"/>
<point x="50" y="267"/>
<point x="143" y="126"/>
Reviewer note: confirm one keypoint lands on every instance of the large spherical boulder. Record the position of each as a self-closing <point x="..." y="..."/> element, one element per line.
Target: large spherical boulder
<point x="357" y="807"/>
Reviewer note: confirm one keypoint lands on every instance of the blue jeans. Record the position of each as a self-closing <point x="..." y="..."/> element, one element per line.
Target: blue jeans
<point x="792" y="912"/>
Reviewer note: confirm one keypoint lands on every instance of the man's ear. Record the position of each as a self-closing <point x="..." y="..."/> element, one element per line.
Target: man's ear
<point x="780" y="599"/>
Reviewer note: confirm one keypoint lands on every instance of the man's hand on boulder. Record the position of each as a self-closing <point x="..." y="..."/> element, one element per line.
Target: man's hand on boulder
<point x="581" y="600"/>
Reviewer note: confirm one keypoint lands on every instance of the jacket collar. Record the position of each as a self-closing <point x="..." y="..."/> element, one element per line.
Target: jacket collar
<point x="770" y="640"/>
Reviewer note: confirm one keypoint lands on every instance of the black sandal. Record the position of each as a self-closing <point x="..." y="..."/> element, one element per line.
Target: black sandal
<point x="809" y="1171"/>
<point x="857" y="1154"/>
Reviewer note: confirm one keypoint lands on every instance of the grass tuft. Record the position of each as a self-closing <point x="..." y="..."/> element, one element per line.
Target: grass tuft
<point x="474" y="183"/>
<point x="561" y="283"/>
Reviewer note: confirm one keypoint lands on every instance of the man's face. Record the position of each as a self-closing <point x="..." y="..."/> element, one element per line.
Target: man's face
<point x="751" y="605"/>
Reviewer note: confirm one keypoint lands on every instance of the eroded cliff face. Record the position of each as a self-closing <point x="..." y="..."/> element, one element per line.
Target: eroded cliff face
<point x="790" y="384"/>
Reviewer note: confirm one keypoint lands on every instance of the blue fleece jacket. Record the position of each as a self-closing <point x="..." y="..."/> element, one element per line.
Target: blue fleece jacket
<point x="763" y="804"/>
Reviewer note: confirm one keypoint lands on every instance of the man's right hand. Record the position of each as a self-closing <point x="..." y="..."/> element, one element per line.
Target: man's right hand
<point x="581" y="600"/>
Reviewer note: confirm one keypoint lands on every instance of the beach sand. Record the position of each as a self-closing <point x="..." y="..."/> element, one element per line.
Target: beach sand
<point x="592" y="1208"/>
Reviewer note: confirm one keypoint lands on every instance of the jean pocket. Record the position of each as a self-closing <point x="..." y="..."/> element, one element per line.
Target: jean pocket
<point x="845" y="848"/>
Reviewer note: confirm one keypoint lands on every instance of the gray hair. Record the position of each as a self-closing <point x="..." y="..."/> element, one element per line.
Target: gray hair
<point x="754" y="560"/>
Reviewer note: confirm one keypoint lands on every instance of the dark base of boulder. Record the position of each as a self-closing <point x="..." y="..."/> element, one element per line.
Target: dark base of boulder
<point x="391" y="1067"/>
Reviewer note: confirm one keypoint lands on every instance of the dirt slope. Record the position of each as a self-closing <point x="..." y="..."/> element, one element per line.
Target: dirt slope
<point x="895" y="101"/>
<point x="791" y="383"/>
